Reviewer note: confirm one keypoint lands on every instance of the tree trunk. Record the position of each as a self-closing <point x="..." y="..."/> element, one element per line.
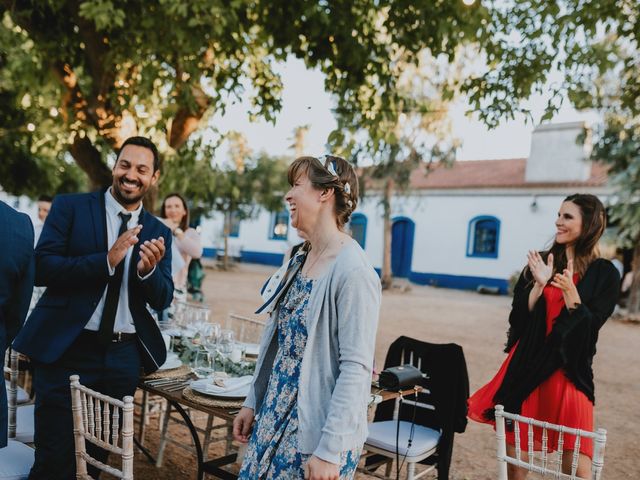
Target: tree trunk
<point x="634" y="293"/>
<point x="90" y="161"/>
<point x="227" y="229"/>
<point x="150" y="199"/>
<point x="386" y="277"/>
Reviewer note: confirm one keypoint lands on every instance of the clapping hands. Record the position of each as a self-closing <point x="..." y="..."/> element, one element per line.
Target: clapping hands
<point x="151" y="252"/>
<point x="119" y="249"/>
<point x="540" y="270"/>
<point x="564" y="281"/>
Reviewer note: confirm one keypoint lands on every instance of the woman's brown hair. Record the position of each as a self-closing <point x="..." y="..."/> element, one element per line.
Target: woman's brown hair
<point x="594" y="222"/>
<point x="321" y="174"/>
<point x="184" y="223"/>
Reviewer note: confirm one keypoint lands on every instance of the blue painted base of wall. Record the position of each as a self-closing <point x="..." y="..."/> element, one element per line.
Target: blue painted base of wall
<point x="263" y="258"/>
<point x="209" y="252"/>
<point x="460" y="282"/>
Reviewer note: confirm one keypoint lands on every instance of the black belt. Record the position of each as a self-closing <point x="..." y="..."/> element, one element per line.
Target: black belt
<point x="116" y="338"/>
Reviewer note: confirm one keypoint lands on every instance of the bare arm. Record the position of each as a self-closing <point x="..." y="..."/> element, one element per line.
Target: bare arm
<point x="190" y="244"/>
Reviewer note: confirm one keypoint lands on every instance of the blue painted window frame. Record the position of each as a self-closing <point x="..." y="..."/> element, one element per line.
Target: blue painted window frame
<point x="275" y="216"/>
<point x="361" y="219"/>
<point x="471" y="237"/>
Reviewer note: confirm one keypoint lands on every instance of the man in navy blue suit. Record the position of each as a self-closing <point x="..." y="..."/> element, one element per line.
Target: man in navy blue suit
<point x="103" y="259"/>
<point x="16" y="283"/>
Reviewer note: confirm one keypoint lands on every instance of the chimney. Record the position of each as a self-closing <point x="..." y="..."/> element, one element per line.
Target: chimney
<point x="557" y="156"/>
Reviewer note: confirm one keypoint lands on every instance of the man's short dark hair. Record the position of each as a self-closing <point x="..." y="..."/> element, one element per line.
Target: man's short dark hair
<point x="45" y="198"/>
<point x="146" y="143"/>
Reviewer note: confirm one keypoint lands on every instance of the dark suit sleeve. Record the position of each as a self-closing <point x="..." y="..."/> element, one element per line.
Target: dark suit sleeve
<point x="53" y="266"/>
<point x="158" y="287"/>
<point x="21" y="298"/>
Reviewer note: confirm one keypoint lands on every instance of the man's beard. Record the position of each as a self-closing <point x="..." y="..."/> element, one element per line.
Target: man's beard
<point x="123" y="198"/>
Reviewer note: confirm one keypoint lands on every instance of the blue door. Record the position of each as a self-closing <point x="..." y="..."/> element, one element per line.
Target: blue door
<point x="358" y="225"/>
<point x="402" y="232"/>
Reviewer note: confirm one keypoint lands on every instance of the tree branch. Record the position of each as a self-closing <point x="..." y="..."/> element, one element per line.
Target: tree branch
<point x="187" y="121"/>
<point x="90" y="161"/>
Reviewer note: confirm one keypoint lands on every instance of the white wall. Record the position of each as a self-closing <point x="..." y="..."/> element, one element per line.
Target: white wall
<point x="253" y="235"/>
<point x="441" y="230"/>
<point x="442" y="223"/>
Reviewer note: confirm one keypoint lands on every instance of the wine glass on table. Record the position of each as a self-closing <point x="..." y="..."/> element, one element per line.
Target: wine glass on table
<point x="203" y="363"/>
<point x="226" y="346"/>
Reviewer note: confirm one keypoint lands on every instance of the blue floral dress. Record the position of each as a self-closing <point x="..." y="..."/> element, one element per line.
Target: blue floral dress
<point x="273" y="448"/>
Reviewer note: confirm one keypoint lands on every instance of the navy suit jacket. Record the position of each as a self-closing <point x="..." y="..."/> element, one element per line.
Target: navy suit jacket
<point x="16" y="285"/>
<point x="71" y="261"/>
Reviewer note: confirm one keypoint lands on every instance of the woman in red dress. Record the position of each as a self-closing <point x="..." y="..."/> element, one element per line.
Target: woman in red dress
<point x="562" y="298"/>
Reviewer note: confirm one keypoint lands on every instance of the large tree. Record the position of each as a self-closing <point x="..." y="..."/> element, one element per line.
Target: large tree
<point x="87" y="74"/>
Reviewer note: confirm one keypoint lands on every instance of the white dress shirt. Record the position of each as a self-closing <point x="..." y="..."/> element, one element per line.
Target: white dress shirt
<point x="37" y="231"/>
<point x="124" y="320"/>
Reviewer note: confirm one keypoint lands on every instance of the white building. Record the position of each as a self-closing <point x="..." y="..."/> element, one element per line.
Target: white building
<point x="461" y="227"/>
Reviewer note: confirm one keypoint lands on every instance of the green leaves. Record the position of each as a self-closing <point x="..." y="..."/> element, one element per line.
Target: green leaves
<point x="237" y="186"/>
<point x="618" y="145"/>
<point x="103" y="13"/>
<point x="164" y="66"/>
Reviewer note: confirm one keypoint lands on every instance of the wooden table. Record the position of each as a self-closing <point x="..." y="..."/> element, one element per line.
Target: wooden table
<point x="178" y="402"/>
<point x="215" y="466"/>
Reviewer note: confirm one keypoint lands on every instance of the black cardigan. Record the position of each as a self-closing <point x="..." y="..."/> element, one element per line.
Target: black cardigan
<point x="570" y="345"/>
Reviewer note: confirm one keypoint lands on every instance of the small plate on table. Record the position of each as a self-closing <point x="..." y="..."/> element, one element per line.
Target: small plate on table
<point x="206" y="386"/>
<point x="172" y="361"/>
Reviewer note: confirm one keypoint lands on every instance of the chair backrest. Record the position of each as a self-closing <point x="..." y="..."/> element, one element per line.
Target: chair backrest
<point x="446" y="383"/>
<point x="98" y="419"/>
<point x="245" y="329"/>
<point x="539" y="460"/>
<point x="446" y="390"/>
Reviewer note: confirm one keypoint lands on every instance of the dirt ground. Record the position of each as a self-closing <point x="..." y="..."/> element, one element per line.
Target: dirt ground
<point x="478" y="324"/>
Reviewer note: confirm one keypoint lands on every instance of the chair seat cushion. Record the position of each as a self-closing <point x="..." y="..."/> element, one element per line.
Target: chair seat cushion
<point x="383" y="435"/>
<point x="24" y="424"/>
<point x="16" y="460"/>
<point x="22" y="397"/>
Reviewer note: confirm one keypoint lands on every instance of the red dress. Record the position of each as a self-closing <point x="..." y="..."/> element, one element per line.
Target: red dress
<point x="556" y="400"/>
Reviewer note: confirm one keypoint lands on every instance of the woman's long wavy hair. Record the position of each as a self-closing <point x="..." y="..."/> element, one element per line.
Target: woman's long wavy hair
<point x="594" y="222"/>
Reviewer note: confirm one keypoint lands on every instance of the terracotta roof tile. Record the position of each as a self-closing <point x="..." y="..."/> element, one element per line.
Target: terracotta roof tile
<point x="507" y="173"/>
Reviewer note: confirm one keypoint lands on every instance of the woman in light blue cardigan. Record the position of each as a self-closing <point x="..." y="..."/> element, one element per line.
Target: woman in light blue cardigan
<point x="306" y="413"/>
